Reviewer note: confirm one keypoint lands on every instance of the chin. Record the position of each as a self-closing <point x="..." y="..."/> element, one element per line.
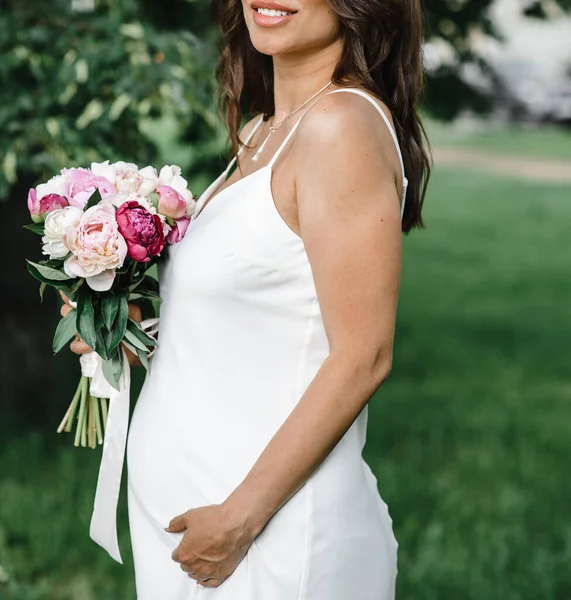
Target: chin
<point x="272" y="25"/>
<point x="288" y="26"/>
<point x="272" y="45"/>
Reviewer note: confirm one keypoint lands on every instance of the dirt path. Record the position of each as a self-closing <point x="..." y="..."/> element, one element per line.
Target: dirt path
<point x="536" y="169"/>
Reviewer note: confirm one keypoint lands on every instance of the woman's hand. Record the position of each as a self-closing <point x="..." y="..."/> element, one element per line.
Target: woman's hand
<point x="214" y="543"/>
<point x="78" y="346"/>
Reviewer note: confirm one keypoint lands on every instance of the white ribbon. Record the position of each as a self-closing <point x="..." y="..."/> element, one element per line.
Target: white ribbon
<point x="103" y="528"/>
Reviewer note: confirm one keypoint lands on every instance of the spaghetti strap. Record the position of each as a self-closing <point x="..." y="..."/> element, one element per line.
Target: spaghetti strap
<point x="385" y="119"/>
<point x="248" y="138"/>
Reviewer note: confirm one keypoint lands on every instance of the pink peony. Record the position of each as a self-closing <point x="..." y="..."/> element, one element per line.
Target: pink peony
<point x="178" y="230"/>
<point x="170" y="176"/>
<point x="97" y="248"/>
<point x="40" y="207"/>
<point x="82" y="185"/>
<point x="142" y="231"/>
<point x="171" y="203"/>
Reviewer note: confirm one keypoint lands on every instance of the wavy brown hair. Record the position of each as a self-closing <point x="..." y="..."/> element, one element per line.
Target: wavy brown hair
<point x="382" y="54"/>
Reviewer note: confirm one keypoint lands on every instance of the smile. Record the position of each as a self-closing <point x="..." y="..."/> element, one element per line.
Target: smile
<point x="270" y="14"/>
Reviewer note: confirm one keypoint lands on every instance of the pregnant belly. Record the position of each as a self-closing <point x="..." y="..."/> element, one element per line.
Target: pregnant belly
<point x="192" y="445"/>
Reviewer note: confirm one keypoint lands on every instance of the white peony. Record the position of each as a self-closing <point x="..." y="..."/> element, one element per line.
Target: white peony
<point x="105" y="170"/>
<point x="167" y="173"/>
<point x="128" y="180"/>
<point x="118" y="199"/>
<point x="57" y="226"/>
<point x="149" y="181"/>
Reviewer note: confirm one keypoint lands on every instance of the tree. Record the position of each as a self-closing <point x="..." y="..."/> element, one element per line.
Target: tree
<point x="82" y="86"/>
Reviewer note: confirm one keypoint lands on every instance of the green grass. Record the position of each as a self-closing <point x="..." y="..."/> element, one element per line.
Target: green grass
<point x="528" y="142"/>
<point x="470" y="438"/>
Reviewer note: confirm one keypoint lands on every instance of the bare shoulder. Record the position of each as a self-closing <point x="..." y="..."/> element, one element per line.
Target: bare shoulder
<point x="247" y="128"/>
<point x="348" y="124"/>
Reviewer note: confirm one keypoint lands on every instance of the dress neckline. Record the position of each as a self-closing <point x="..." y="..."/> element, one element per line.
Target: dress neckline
<point x="210" y="194"/>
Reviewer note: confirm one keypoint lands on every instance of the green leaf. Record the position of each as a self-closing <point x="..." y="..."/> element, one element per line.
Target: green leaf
<point x="95" y="199"/>
<point x="60" y="285"/>
<point x="101" y="344"/>
<point x="149" y="282"/>
<point x="43" y="286"/>
<point x="113" y="368"/>
<point x="65" y="331"/>
<point x="109" y="309"/>
<point x="48" y="273"/>
<point x="136" y="330"/>
<point x="86" y="319"/>
<point x="135" y="341"/>
<point x="78" y="283"/>
<point x="143" y="358"/>
<point x="117" y="332"/>
<point x="36" y="228"/>
<point x="99" y="322"/>
<point x="144" y="294"/>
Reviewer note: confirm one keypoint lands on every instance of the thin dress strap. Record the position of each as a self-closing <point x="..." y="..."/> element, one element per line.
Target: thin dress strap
<point x="211" y="189"/>
<point x="385" y="119"/>
<point x="248" y="138"/>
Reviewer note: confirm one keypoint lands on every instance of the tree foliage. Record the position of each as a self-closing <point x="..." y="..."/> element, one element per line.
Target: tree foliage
<point x="79" y="87"/>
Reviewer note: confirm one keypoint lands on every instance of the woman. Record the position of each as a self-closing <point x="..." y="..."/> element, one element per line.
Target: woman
<point x="246" y="480"/>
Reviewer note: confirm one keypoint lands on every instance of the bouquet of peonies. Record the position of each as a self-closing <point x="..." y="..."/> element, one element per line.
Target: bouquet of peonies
<point x="102" y="228"/>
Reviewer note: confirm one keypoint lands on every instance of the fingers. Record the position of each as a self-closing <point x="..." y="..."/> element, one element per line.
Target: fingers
<point x="78" y="346"/>
<point x="64" y="309"/>
<point x="210" y="583"/>
<point x="132" y="357"/>
<point x="65" y="298"/>
<point x="135" y="312"/>
<point x="201" y="578"/>
<point x="176" y="525"/>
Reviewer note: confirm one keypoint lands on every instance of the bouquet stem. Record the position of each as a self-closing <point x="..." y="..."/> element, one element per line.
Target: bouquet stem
<point x="80" y="432"/>
<point x="67" y="420"/>
<point x="90" y="424"/>
<point x="91" y="416"/>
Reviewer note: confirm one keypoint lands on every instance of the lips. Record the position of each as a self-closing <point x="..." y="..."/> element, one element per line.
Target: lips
<point x="270" y="14"/>
<point x="271" y="6"/>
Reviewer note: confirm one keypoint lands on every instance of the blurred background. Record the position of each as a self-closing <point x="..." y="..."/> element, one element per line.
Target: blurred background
<point x="470" y="438"/>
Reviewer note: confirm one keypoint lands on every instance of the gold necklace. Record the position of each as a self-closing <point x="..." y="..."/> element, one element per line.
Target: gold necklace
<point x="274" y="127"/>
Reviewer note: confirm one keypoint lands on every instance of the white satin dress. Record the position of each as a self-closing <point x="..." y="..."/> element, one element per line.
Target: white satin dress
<point x="241" y="338"/>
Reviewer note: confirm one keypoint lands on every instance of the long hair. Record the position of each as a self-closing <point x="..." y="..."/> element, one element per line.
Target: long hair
<point x="382" y="54"/>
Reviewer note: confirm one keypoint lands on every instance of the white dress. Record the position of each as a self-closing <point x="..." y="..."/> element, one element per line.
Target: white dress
<point x="241" y="338"/>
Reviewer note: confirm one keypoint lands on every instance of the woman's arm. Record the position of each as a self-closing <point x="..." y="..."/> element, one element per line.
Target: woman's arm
<point x="348" y="206"/>
<point x="346" y="178"/>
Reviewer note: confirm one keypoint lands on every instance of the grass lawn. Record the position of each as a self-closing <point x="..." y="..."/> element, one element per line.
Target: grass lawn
<point x="533" y="142"/>
<point x="470" y="438"/>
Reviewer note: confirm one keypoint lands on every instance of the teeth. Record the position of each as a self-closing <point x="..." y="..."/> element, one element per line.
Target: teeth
<point x="273" y="13"/>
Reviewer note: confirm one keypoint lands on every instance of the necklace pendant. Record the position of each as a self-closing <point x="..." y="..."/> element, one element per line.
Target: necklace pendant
<point x="259" y="150"/>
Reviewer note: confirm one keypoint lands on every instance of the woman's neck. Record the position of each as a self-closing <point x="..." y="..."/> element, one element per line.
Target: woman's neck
<point x="297" y="77"/>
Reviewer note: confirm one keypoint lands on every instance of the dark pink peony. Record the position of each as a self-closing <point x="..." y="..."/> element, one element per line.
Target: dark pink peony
<point x="142" y="231"/>
<point x="178" y="230"/>
<point x="39" y="209"/>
